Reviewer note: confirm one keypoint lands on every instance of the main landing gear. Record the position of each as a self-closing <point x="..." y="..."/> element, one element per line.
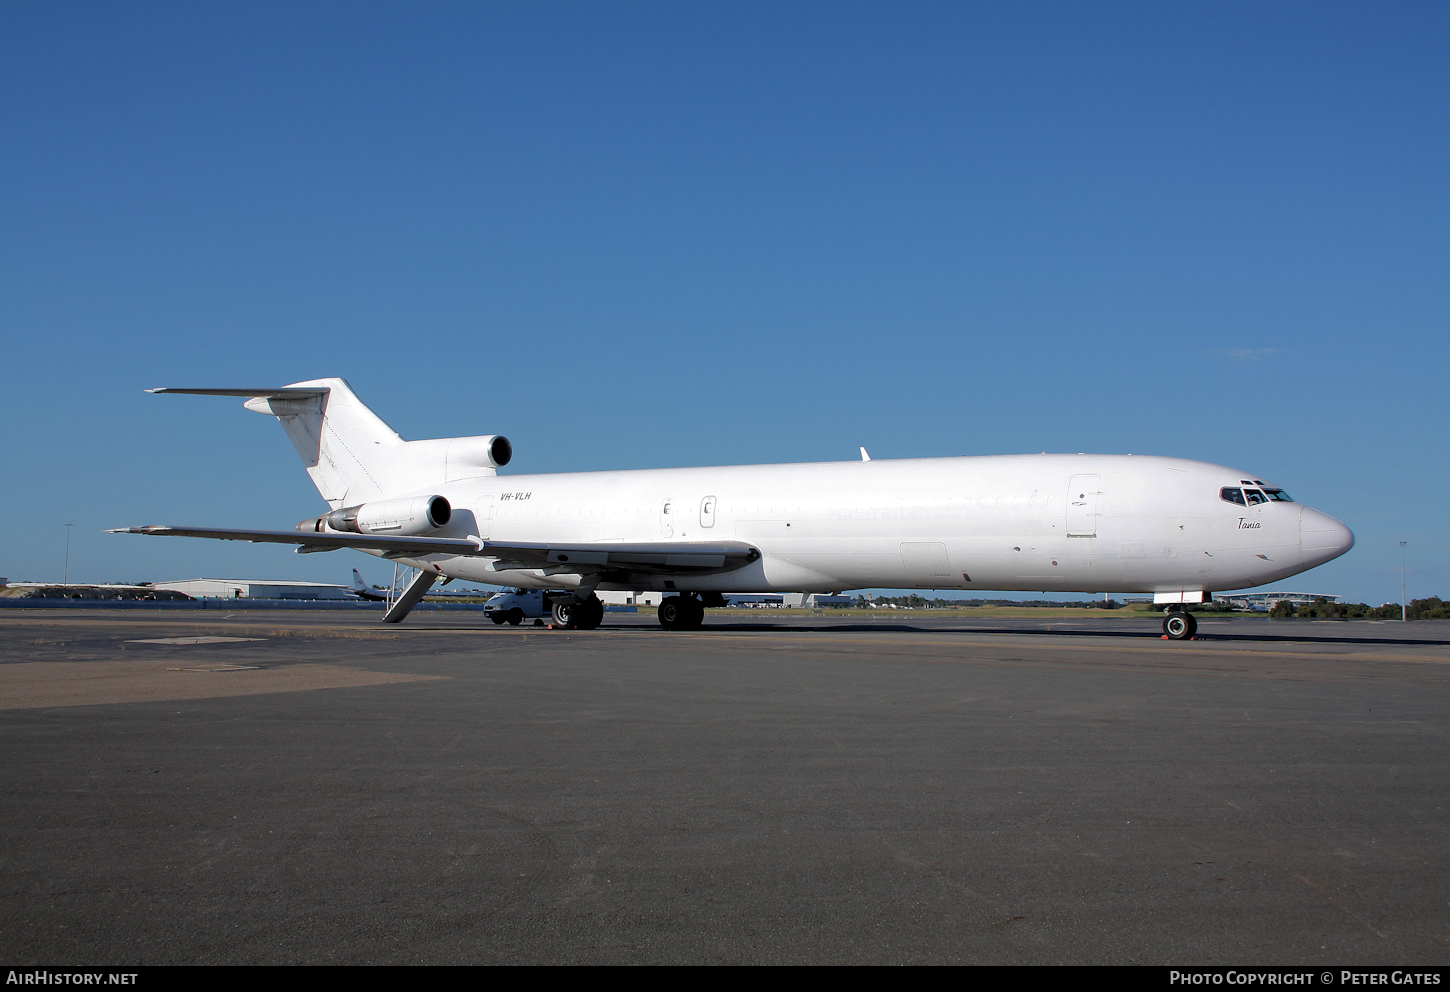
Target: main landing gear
<point x="579" y="616"/>
<point x="1179" y="624"/>
<point x="681" y="612"/>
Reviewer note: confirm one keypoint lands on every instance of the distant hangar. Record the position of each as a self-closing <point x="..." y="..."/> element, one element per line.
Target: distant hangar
<point x="256" y="589"/>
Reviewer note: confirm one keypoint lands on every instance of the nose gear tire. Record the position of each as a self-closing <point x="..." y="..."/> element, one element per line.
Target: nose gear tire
<point x="1180" y="626"/>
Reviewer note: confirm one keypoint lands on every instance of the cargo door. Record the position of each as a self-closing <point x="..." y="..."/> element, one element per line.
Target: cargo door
<point x="1084" y="494"/>
<point x="926" y="565"/>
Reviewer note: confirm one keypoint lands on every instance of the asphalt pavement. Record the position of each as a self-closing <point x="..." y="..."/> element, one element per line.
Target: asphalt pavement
<point x="319" y="788"/>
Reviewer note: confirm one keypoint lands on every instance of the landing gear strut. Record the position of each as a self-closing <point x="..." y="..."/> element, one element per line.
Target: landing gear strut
<point x="578" y="616"/>
<point x="1179" y="624"/>
<point x="681" y="612"/>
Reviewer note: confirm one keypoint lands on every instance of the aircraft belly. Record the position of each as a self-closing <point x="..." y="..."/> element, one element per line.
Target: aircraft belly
<point x="828" y="571"/>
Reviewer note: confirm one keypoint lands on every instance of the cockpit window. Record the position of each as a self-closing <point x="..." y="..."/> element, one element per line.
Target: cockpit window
<point x="1232" y="496"/>
<point x="1278" y="495"/>
<point x="1255" y="497"/>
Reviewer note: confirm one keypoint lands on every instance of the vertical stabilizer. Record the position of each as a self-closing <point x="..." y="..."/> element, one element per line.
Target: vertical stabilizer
<point x="346" y="447"/>
<point x="351" y="455"/>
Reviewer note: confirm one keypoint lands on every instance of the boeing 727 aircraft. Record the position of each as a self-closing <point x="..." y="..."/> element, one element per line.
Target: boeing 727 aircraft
<point x="1052" y="523"/>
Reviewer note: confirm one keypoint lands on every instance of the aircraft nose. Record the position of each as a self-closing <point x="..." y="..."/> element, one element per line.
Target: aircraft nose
<point x="1321" y="537"/>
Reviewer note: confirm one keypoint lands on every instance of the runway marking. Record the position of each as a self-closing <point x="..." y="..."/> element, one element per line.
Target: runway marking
<point x="41" y="685"/>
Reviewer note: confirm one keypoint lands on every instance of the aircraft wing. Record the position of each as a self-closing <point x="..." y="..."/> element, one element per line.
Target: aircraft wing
<point x="308" y="541"/>
<point x="667" y="557"/>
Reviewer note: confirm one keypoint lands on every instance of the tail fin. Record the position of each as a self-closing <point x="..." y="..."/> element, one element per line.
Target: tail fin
<point x="362" y="590"/>
<point x="346" y="447"/>
<point x="352" y="455"/>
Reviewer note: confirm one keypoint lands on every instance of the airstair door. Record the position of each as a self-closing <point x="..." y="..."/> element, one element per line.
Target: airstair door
<point x="1084" y="494"/>
<point x="483" y="516"/>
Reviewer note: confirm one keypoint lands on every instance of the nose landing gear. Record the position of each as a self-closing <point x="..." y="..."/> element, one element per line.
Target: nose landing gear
<point x="1179" y="624"/>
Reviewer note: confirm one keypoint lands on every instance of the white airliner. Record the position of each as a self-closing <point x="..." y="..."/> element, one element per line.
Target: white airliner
<point x="362" y="590"/>
<point x="1046" y="523"/>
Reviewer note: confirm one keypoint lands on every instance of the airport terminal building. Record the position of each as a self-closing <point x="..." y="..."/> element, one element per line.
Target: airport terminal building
<point x="1265" y="600"/>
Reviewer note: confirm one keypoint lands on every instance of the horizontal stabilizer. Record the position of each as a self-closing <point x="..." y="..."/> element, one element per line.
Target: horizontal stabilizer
<point x="280" y="393"/>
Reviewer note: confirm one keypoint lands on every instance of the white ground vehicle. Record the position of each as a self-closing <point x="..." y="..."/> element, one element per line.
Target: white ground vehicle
<point x="517" y="605"/>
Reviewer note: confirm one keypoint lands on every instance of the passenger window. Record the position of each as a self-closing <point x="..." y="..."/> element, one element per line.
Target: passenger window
<point x="1255" y="497"/>
<point x="1278" y="496"/>
<point x="1232" y="496"/>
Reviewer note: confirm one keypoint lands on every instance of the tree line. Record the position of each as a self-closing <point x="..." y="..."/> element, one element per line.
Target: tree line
<point x="1432" y="608"/>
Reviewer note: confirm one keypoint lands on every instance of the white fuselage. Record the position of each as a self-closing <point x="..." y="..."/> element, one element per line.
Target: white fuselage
<point x="1051" y="523"/>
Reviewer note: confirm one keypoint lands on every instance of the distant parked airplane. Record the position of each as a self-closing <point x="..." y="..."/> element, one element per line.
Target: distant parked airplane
<point x="1051" y="523"/>
<point x="362" y="590"/>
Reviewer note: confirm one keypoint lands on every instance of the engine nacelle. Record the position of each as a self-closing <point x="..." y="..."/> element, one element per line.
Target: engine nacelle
<point x="414" y="516"/>
<point x="486" y="451"/>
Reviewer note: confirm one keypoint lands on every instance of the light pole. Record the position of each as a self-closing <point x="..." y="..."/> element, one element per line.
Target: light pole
<point x="1404" y="612"/>
<point x="66" y="581"/>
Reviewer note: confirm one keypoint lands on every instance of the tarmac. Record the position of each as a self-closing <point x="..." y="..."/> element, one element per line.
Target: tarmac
<point x="186" y="788"/>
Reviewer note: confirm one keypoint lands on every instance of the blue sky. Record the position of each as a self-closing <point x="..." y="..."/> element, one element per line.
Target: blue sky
<point x="637" y="235"/>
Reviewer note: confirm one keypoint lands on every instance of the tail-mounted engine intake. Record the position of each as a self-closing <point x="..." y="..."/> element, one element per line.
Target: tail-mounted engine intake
<point x="414" y="517"/>
<point x="487" y="451"/>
